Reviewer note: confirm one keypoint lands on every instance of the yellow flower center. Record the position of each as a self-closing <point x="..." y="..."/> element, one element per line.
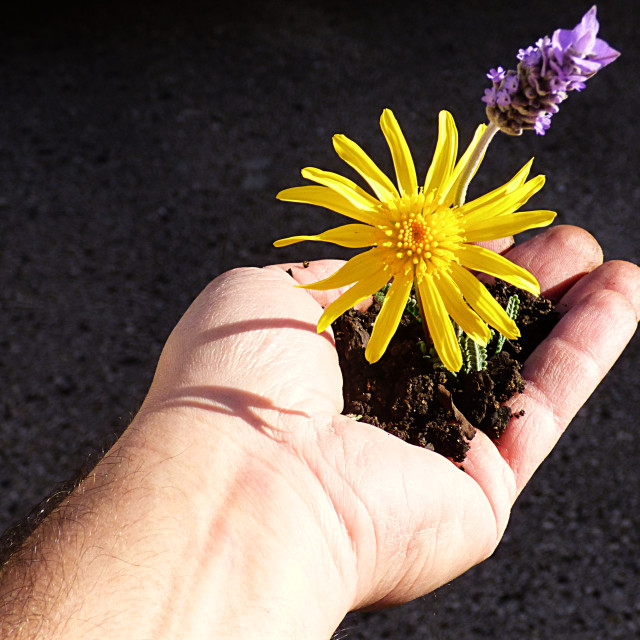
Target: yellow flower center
<point x="414" y="235"/>
<point x="421" y="233"/>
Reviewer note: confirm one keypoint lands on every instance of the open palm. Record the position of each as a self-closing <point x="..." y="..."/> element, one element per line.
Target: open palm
<point x="395" y="520"/>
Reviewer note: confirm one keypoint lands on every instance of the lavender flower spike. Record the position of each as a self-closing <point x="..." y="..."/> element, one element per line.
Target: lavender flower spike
<point x="527" y="97"/>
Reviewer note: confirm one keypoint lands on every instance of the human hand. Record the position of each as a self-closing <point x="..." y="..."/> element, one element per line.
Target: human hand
<point x="395" y="521"/>
<point x="241" y="503"/>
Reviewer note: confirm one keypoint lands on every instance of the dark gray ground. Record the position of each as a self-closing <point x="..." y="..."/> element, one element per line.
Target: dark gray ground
<point x="140" y="152"/>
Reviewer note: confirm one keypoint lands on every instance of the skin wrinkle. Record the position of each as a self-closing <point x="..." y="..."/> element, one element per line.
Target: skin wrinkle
<point x="440" y="535"/>
<point x="359" y="506"/>
<point x="382" y="539"/>
<point x="399" y="559"/>
<point x="563" y="368"/>
<point x="615" y="275"/>
<point x="561" y="372"/>
<point x="403" y="552"/>
<point x="425" y="528"/>
<point x="399" y="554"/>
<point x="310" y="405"/>
<point x="337" y="436"/>
<point x="499" y="492"/>
<point x="470" y="522"/>
<point x="177" y="580"/>
<point x="441" y="540"/>
<point x="389" y="579"/>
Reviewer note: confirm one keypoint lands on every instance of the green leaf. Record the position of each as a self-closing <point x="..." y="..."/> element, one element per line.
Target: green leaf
<point x="474" y="355"/>
<point x="513" y="305"/>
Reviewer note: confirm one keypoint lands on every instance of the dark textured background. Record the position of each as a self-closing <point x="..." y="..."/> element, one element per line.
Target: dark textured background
<point x="140" y="152"/>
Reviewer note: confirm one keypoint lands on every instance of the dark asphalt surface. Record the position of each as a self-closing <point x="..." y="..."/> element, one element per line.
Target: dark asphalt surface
<point x="140" y="152"/>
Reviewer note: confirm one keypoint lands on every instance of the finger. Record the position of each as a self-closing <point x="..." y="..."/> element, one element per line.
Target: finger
<point x="499" y="246"/>
<point x="615" y="275"/>
<point x="309" y="272"/>
<point x="558" y="257"/>
<point x="562" y="373"/>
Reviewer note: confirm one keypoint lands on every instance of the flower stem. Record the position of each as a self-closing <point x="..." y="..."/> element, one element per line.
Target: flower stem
<point x="473" y="163"/>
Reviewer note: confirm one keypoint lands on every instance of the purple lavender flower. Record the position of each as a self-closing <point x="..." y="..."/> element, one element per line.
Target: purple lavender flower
<point x="528" y="97"/>
<point x="510" y="84"/>
<point x="530" y="55"/>
<point x="496" y="75"/>
<point x="503" y="99"/>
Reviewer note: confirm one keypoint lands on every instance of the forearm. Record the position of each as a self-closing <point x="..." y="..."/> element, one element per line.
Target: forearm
<point x="159" y="543"/>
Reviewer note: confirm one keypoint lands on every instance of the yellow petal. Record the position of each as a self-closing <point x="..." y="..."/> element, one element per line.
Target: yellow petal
<point x="345" y="187"/>
<point x="460" y="311"/>
<point x="402" y="160"/>
<point x="325" y="197"/>
<point x="354" y="236"/>
<point x="509" y="203"/>
<point x="355" y="157"/>
<point x="497" y="194"/>
<point x="359" y="267"/>
<point x="444" y="157"/>
<point x="448" y="191"/>
<point x="487" y="261"/>
<point x="485" y="305"/>
<point x="389" y="317"/>
<point x="507" y="225"/>
<point x="439" y="324"/>
<point x="350" y="298"/>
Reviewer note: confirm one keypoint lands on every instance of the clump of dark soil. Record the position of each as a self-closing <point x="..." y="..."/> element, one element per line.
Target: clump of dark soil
<point x="416" y="399"/>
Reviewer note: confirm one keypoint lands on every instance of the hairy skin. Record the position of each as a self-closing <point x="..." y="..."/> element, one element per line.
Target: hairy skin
<point x="241" y="504"/>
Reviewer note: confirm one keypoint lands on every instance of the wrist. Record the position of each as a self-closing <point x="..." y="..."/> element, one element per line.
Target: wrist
<point x="259" y="562"/>
<point x="188" y="529"/>
<point x="265" y="563"/>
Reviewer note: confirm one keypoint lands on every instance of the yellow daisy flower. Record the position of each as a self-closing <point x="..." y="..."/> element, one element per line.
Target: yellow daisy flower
<point x="420" y="236"/>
